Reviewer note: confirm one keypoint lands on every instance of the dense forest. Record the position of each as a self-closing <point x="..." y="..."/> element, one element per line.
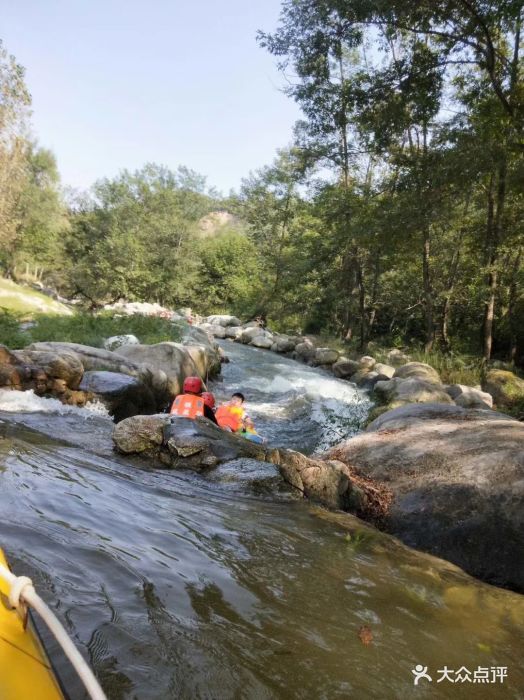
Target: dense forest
<point x="396" y="213"/>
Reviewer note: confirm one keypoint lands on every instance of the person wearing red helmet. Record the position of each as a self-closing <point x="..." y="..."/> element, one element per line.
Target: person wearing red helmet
<point x="189" y="404"/>
<point x="192" y="403"/>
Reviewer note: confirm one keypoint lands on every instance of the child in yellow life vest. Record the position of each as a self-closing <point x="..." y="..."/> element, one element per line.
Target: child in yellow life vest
<point x="230" y="416"/>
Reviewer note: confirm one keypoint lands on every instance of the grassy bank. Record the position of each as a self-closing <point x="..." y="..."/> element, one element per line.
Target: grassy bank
<point x="24" y="300"/>
<point x="84" y="328"/>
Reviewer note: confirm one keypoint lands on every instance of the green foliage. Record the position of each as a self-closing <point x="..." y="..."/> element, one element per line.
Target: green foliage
<point x="10" y="333"/>
<point x="228" y="276"/>
<point x="43" y="218"/>
<point x="135" y="239"/>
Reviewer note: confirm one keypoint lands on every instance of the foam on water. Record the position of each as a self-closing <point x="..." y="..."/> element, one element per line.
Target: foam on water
<point x="29" y="402"/>
<point x="320" y="409"/>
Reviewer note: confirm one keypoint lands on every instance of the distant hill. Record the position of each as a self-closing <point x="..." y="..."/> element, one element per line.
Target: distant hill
<point x="14" y="297"/>
<point x="216" y="222"/>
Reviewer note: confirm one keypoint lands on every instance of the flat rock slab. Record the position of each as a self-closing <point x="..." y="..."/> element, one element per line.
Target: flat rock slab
<point x="180" y="443"/>
<point x="457" y="481"/>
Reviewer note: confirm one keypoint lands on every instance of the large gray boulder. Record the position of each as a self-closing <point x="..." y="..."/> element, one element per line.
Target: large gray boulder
<point x="456" y="478"/>
<point x="261" y="341"/>
<point x="283" y="343"/>
<point x="418" y="370"/>
<point x="55" y="364"/>
<point x="325" y="356"/>
<point x="234" y="332"/>
<point x="97" y="359"/>
<point x="91" y="358"/>
<point x="469" y="397"/>
<point x="398" y="391"/>
<point x="344" y="368"/>
<point x="365" y="379"/>
<point x="215" y="329"/>
<point x="305" y="350"/>
<point x="175" y="360"/>
<point x="223" y="320"/>
<point x="387" y="370"/>
<point x="367" y="362"/>
<point x="251" y="332"/>
<point x="123" y="395"/>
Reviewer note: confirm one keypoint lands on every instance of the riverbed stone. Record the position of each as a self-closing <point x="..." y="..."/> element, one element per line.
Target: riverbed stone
<point x="418" y="370"/>
<point x="325" y="356"/>
<point x="283" y="344"/>
<point x="261" y="341"/>
<point x="397" y="358"/>
<point x="251" y="332"/>
<point x="344" y="368"/>
<point x="505" y="387"/>
<point x="139" y="434"/>
<point x="223" y="320"/>
<point x="175" y="360"/>
<point x="116" y="341"/>
<point x="7" y="357"/>
<point x="457" y="481"/>
<point x="469" y="397"/>
<point x="234" y="332"/>
<point x="386" y="370"/>
<point x="400" y="391"/>
<point x="367" y="362"/>
<point x="305" y="350"/>
<point x="56" y="365"/>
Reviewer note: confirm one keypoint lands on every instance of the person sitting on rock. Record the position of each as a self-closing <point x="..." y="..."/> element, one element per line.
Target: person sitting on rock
<point x="231" y="415"/>
<point x="193" y="402"/>
<point x="189" y="404"/>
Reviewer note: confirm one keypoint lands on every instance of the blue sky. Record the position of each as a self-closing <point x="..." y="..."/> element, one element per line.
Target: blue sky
<point x="117" y="83"/>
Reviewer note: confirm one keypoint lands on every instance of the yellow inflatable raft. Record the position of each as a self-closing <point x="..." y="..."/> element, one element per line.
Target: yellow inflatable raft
<point x="25" y="671"/>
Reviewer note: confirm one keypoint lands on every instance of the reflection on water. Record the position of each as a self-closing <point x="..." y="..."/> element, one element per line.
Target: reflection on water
<point x="177" y="585"/>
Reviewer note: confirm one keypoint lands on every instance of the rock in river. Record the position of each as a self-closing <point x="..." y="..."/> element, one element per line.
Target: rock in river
<point x="457" y="482"/>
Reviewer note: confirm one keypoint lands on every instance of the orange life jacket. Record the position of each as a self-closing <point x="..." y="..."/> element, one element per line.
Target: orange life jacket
<point x="187" y="406"/>
<point x="229" y="417"/>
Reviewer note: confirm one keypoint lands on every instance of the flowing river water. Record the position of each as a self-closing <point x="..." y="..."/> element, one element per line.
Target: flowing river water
<point x="179" y="585"/>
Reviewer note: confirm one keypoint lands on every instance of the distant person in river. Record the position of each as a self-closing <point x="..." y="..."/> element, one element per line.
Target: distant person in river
<point x="191" y="402"/>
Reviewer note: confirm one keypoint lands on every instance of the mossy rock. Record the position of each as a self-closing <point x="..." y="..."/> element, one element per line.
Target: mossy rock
<point x="506" y="388"/>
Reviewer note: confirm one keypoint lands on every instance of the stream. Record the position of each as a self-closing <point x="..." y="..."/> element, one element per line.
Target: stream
<point x="226" y="585"/>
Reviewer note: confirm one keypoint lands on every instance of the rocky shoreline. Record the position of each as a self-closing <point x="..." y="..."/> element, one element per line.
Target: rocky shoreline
<point x="399" y="382"/>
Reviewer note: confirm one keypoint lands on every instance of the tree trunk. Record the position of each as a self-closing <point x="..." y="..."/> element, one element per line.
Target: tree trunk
<point x="361" y="305"/>
<point x="513" y="296"/>
<point x="495" y="213"/>
<point x="428" y="292"/>
<point x="374" y="295"/>
<point x="453" y="271"/>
